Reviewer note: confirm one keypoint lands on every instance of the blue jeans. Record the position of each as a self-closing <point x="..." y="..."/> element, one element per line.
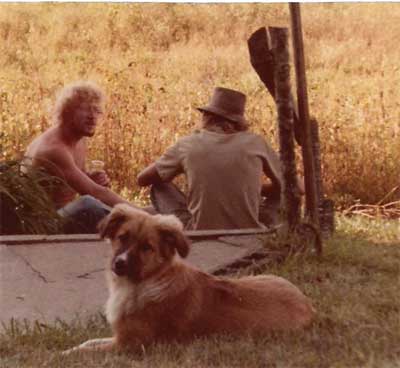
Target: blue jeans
<point x="83" y="214"/>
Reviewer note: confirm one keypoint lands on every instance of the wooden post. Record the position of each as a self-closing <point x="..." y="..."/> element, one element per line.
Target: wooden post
<point x="302" y="100"/>
<point x="262" y="61"/>
<point x="326" y="208"/>
<point x="290" y="193"/>
<point x="316" y="148"/>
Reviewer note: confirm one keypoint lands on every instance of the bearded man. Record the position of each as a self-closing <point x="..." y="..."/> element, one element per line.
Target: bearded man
<point x="61" y="151"/>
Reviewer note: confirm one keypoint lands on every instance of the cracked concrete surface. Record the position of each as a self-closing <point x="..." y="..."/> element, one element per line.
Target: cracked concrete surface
<point x="66" y="279"/>
<point x="87" y="275"/>
<point x="37" y="272"/>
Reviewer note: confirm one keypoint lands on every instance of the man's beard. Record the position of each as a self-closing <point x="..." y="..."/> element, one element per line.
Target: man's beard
<point x="89" y="134"/>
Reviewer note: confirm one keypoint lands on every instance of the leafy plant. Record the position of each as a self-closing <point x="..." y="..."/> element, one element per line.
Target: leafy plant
<point x="25" y="205"/>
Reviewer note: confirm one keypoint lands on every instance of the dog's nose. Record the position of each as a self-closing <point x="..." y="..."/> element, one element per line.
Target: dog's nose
<point x="119" y="267"/>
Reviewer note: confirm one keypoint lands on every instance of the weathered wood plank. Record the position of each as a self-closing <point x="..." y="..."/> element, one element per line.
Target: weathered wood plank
<point x="302" y="100"/>
<point x="42" y="239"/>
<point x="291" y="198"/>
<point x="76" y="238"/>
<point x="261" y="59"/>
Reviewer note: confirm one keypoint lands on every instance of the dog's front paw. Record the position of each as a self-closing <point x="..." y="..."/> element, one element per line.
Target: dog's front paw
<point x="91" y="345"/>
<point x="69" y="351"/>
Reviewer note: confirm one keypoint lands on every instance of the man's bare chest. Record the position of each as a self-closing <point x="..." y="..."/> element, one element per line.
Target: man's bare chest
<point x="79" y="156"/>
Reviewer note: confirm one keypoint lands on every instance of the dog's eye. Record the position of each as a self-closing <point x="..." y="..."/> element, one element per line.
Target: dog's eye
<point x="146" y="247"/>
<point x="123" y="237"/>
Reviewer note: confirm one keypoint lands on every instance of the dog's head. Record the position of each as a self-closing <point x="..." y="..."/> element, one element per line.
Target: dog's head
<point x="142" y="244"/>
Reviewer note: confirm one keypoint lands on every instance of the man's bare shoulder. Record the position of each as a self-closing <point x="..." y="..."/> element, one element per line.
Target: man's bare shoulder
<point x="46" y="140"/>
<point x="58" y="153"/>
<point x="47" y="151"/>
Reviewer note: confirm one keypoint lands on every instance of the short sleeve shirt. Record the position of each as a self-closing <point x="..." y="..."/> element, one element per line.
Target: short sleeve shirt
<point x="224" y="174"/>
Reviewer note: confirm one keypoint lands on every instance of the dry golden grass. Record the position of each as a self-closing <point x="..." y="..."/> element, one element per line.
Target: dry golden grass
<point x="157" y="62"/>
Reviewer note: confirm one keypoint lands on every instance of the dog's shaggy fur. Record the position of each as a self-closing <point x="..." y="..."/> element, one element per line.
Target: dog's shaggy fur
<point x="156" y="297"/>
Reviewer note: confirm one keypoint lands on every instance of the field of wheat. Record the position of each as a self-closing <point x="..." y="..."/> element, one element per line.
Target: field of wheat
<point x="157" y="62"/>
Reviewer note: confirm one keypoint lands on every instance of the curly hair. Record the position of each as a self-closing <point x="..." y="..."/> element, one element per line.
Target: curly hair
<point x="218" y="123"/>
<point x="74" y="94"/>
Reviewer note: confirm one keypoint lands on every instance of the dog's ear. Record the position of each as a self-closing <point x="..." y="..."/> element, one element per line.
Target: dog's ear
<point x="171" y="234"/>
<point x="175" y="239"/>
<point x="109" y="226"/>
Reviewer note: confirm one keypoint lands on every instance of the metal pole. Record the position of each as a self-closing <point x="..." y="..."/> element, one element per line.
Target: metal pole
<point x="302" y="100"/>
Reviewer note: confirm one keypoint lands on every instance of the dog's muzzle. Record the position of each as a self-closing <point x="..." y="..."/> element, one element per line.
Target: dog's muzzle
<point x="120" y="264"/>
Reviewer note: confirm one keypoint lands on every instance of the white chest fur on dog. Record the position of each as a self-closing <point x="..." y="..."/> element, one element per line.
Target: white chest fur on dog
<point x="126" y="297"/>
<point x="121" y="293"/>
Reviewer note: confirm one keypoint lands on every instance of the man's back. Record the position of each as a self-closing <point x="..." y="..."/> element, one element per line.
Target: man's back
<point x="224" y="174"/>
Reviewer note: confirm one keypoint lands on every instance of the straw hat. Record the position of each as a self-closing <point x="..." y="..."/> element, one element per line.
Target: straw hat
<point x="227" y="103"/>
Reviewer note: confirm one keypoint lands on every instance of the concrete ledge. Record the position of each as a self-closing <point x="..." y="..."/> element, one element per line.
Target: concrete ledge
<point x="75" y="238"/>
<point x="60" y="276"/>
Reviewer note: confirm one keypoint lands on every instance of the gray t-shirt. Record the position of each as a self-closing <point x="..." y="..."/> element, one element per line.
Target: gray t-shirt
<point x="224" y="174"/>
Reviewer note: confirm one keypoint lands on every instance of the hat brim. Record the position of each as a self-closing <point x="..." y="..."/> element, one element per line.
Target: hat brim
<point x="231" y="117"/>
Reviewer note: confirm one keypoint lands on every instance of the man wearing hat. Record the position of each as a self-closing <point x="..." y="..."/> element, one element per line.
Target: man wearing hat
<point x="224" y="163"/>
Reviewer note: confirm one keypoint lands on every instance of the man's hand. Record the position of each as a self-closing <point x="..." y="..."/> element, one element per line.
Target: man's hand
<point x="100" y="177"/>
<point x="270" y="191"/>
<point x="300" y="185"/>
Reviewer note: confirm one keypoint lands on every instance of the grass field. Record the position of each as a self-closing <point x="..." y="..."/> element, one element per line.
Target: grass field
<point x="354" y="287"/>
<point x="157" y="62"/>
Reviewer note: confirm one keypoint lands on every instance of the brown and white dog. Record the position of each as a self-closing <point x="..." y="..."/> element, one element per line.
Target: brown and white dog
<point x="156" y="297"/>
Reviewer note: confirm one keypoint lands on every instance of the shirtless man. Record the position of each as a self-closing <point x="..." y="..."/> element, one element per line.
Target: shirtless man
<point x="61" y="151"/>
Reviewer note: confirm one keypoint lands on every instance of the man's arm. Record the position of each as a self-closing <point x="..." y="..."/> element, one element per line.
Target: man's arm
<point x="300" y="185"/>
<point x="149" y="176"/>
<point x="61" y="163"/>
<point x="165" y="169"/>
<point x="271" y="168"/>
<point x="272" y="190"/>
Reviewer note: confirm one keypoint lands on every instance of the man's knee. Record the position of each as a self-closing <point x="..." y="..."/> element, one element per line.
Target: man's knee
<point x="88" y="201"/>
<point x="83" y="214"/>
